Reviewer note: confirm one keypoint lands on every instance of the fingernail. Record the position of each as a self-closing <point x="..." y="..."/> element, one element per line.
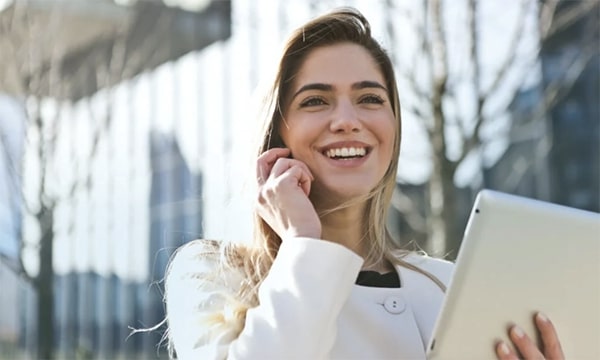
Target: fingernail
<point x="504" y="349"/>
<point x="542" y="317"/>
<point x="518" y="332"/>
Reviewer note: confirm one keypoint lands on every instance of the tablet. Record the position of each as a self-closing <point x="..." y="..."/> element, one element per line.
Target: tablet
<point x="520" y="256"/>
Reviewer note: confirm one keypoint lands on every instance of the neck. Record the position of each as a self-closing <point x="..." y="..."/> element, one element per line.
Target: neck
<point x="345" y="227"/>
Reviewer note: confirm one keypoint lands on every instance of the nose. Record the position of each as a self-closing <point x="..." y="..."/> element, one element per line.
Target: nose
<point x="345" y="118"/>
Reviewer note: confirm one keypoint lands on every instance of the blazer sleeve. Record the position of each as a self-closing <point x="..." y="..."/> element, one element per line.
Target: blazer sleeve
<point x="299" y="302"/>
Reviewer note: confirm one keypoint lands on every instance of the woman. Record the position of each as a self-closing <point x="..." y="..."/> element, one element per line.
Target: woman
<point x="323" y="278"/>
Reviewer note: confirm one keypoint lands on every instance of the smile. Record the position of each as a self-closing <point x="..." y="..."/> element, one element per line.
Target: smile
<point x="346" y="153"/>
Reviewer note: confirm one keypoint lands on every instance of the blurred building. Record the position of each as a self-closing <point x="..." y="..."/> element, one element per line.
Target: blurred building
<point x="555" y="155"/>
<point x="95" y="313"/>
<point x="12" y="137"/>
<point x="114" y="236"/>
<point x="175" y="218"/>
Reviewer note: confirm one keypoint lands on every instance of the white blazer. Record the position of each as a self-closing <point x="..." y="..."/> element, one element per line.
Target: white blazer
<point x="310" y="308"/>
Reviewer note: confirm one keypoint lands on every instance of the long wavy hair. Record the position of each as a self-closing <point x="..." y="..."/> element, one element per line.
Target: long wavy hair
<point x="253" y="262"/>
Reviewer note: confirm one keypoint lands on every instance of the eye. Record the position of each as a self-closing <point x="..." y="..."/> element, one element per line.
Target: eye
<point x="312" y="101"/>
<point x="371" y="99"/>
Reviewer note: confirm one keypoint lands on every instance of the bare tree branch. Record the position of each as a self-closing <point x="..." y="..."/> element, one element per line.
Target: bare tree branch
<point x="413" y="110"/>
<point x="546" y="16"/>
<point x="439" y="74"/>
<point x="560" y="86"/>
<point x="510" y="57"/>
<point x="406" y="206"/>
<point x="523" y="163"/>
<point x="472" y="13"/>
<point x="564" y="19"/>
<point x="422" y="52"/>
<point x="471" y="139"/>
<point x="390" y="21"/>
<point x="439" y="52"/>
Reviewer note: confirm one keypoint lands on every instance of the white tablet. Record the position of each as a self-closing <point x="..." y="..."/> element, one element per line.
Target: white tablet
<point x="520" y="256"/>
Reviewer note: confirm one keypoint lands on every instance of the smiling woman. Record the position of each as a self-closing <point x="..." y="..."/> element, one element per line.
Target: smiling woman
<point x="323" y="278"/>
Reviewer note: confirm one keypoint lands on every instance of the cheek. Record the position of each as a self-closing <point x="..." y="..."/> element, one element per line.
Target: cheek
<point x="387" y="133"/>
<point x="299" y="135"/>
<point x="292" y="139"/>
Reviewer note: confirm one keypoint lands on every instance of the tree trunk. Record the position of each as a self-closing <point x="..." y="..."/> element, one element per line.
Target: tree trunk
<point x="450" y="210"/>
<point x="442" y="207"/>
<point x="437" y="235"/>
<point x="441" y="183"/>
<point x="45" y="285"/>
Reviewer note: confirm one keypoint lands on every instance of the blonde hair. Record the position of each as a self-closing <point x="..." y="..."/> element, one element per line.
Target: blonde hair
<point x="254" y="261"/>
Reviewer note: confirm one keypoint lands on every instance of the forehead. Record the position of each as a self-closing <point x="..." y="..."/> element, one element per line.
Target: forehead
<point x="339" y="65"/>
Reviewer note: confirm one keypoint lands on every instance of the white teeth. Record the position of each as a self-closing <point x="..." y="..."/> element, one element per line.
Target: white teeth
<point x="346" y="152"/>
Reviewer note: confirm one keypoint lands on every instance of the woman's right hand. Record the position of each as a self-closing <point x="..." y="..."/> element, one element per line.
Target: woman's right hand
<point x="283" y="188"/>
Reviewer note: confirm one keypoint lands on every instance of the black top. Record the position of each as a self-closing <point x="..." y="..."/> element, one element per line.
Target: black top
<point x="375" y="279"/>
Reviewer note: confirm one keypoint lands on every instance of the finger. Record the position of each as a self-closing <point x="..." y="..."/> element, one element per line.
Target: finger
<point x="504" y="352"/>
<point x="266" y="160"/>
<point x="297" y="176"/>
<point x="305" y="181"/>
<point x="299" y="171"/>
<point x="305" y="185"/>
<point x="524" y="344"/>
<point x="552" y="347"/>
<point x="283" y="164"/>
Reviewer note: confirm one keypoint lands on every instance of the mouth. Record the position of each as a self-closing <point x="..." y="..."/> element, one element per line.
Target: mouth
<point x="346" y="153"/>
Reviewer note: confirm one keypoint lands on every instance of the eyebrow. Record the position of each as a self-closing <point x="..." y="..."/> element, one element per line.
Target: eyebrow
<point x="365" y="84"/>
<point x="368" y="84"/>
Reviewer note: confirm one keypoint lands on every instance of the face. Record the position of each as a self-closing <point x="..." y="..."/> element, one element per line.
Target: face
<point x="339" y="121"/>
